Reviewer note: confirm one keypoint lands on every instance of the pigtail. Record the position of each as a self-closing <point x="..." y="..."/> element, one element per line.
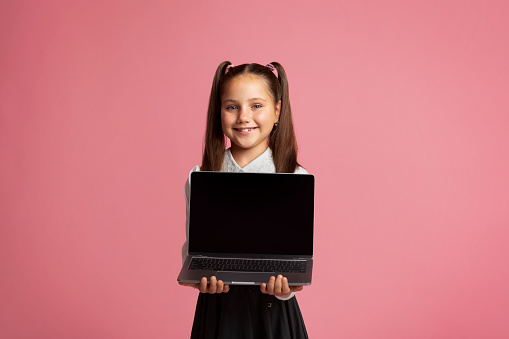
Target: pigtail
<point x="282" y="140"/>
<point x="213" y="151"/>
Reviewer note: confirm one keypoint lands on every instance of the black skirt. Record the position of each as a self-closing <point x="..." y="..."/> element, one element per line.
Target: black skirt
<point x="245" y="312"/>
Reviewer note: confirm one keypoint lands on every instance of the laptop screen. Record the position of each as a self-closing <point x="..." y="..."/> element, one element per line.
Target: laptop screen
<point x="251" y="213"/>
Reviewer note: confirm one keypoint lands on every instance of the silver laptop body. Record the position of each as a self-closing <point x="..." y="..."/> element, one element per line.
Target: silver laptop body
<point x="251" y="226"/>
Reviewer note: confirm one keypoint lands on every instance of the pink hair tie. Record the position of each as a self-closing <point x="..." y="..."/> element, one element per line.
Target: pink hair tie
<point x="228" y="68"/>
<point x="272" y="69"/>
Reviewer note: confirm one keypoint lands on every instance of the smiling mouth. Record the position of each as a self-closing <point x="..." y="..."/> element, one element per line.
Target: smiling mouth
<point x="245" y="129"/>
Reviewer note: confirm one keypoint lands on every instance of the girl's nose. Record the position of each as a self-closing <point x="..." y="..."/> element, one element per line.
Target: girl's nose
<point x="243" y="115"/>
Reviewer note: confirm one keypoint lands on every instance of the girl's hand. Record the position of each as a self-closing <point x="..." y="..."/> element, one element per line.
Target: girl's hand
<point x="279" y="286"/>
<point x="212" y="288"/>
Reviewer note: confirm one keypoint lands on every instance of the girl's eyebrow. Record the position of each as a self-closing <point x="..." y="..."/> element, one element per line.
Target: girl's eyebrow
<point x="252" y="99"/>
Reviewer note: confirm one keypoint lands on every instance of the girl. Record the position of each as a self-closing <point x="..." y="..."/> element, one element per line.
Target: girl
<point x="249" y="104"/>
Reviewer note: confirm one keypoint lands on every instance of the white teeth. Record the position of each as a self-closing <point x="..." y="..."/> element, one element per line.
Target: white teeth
<point x="245" y="129"/>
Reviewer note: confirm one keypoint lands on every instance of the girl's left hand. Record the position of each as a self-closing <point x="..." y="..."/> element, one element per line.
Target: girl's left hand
<point x="279" y="286"/>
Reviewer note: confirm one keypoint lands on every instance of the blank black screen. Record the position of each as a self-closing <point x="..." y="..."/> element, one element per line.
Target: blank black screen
<point x="251" y="213"/>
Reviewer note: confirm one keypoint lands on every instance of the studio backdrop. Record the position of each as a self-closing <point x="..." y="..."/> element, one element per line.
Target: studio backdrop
<point x="401" y="113"/>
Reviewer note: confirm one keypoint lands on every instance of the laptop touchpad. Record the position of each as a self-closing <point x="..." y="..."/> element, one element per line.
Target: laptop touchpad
<point x="244" y="278"/>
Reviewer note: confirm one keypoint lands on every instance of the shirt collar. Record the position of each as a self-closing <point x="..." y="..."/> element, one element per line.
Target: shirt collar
<point x="263" y="163"/>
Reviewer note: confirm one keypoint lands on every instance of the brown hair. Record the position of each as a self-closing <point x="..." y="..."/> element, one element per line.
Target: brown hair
<point x="282" y="137"/>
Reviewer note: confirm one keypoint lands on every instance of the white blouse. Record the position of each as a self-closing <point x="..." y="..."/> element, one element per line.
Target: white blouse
<point x="262" y="164"/>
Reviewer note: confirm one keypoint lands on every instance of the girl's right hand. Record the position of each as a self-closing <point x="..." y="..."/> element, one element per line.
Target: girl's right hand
<point x="213" y="287"/>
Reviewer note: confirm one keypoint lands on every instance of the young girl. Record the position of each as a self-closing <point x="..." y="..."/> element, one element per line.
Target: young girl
<point x="249" y="104"/>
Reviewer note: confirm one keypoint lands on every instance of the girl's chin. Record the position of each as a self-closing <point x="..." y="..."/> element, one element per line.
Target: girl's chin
<point x="238" y="146"/>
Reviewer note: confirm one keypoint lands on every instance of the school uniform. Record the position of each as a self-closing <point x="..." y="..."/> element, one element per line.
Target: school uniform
<point x="245" y="312"/>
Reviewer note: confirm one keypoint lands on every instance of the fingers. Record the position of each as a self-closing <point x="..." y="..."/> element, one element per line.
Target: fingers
<point x="273" y="287"/>
<point x="276" y="286"/>
<point x="203" y="285"/>
<point x="285" y="289"/>
<point x="269" y="288"/>
<point x="220" y="287"/>
<point x="213" y="287"/>
<point x="279" y="286"/>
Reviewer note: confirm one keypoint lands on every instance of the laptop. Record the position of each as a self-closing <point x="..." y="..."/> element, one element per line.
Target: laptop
<point x="246" y="227"/>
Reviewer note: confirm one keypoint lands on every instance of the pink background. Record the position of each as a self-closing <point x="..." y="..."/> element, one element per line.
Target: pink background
<point x="401" y="111"/>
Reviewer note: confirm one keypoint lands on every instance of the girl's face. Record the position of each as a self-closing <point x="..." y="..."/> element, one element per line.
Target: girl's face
<point x="248" y="113"/>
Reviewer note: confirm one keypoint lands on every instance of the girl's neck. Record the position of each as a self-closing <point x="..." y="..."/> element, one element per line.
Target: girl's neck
<point x="244" y="156"/>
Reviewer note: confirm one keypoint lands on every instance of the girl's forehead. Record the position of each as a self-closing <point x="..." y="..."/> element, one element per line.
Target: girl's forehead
<point x="248" y="78"/>
<point x="247" y="82"/>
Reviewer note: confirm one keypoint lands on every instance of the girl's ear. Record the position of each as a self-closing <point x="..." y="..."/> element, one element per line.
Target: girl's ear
<point x="278" y="110"/>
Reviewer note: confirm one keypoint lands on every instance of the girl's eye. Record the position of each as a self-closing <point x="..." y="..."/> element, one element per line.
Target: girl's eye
<point x="257" y="106"/>
<point x="231" y="108"/>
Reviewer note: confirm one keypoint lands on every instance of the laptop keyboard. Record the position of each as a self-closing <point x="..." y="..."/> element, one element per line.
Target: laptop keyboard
<point x="248" y="265"/>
